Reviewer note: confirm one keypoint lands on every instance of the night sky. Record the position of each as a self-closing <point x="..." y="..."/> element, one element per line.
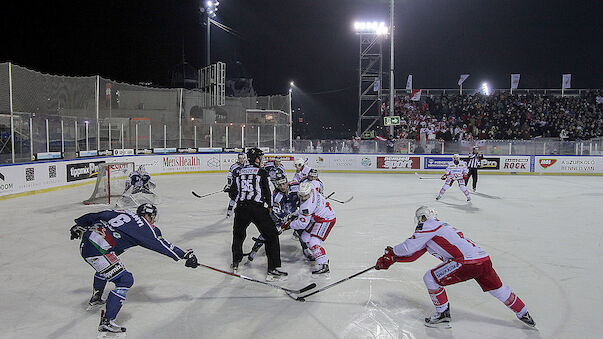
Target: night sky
<point x="312" y="43"/>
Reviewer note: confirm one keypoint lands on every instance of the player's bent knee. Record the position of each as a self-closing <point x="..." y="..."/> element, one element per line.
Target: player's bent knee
<point x="430" y="282"/>
<point x="126" y="279"/>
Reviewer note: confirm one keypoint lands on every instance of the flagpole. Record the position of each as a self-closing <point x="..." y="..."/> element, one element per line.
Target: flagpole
<point x="511" y="84"/>
<point x="392" y="90"/>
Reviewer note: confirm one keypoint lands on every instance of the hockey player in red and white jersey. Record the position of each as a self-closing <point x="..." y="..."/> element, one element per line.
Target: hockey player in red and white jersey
<point x="314" y="181"/>
<point x="317" y="219"/>
<point x="301" y="170"/>
<point x="456" y="170"/>
<point x="463" y="260"/>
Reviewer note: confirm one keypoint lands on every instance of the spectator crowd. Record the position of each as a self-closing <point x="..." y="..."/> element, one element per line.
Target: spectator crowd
<point x="499" y="117"/>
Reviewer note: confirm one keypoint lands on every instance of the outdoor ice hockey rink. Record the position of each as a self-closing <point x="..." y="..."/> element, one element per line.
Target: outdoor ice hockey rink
<point x="543" y="234"/>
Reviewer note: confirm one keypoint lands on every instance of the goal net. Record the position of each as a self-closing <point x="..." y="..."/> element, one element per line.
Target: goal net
<point x="110" y="182"/>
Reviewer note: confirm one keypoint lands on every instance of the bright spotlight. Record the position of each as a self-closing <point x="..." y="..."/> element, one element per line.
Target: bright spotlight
<point x="292" y="84"/>
<point x="485" y="89"/>
<point x="374" y="27"/>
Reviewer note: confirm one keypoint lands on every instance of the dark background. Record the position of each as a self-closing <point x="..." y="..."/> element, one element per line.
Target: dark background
<point x="312" y="43"/>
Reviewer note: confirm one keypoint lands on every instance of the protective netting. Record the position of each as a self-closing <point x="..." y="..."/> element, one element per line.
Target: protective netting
<point x="55" y="113"/>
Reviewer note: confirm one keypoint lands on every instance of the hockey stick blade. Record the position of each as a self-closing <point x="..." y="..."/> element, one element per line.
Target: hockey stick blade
<point x="428" y="178"/>
<point x="302" y="290"/>
<point x="303" y="297"/>
<point x="342" y="202"/>
<point x="205" y="195"/>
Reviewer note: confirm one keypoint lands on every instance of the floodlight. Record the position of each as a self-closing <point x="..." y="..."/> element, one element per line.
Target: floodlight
<point x="485" y="88"/>
<point x="374" y="27"/>
<point x="292" y="83"/>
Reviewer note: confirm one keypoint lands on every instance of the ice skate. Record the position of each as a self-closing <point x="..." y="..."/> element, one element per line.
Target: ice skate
<point x="308" y="254"/>
<point x="110" y="326"/>
<point x="527" y="320"/>
<point x="234" y="266"/>
<point x="276" y="275"/>
<point x="322" y="271"/>
<point x="95" y="301"/>
<point x="228" y="213"/>
<point x="439" y="320"/>
<point x="468" y="198"/>
<point x="439" y="197"/>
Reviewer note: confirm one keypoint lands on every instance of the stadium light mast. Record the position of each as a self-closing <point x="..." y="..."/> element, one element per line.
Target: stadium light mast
<point x="210" y="7"/>
<point x="370" y="73"/>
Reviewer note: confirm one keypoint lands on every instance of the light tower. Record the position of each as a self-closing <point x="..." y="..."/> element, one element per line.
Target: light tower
<point x="370" y="73"/>
<point x="210" y="7"/>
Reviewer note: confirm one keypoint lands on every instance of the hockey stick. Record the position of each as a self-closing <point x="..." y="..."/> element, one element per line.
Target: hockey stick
<point x="303" y="297"/>
<point x="287" y="290"/>
<point x="342" y="202"/>
<point x="428" y="178"/>
<point x="330" y="195"/>
<point x="205" y="195"/>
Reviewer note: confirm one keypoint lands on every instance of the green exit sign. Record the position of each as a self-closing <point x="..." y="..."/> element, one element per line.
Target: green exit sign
<point x="391" y="121"/>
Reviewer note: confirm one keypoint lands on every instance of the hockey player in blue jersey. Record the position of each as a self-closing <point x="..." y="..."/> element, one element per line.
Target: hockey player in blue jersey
<point x="106" y="235"/>
<point x="274" y="167"/>
<point x="233" y="172"/>
<point x="140" y="181"/>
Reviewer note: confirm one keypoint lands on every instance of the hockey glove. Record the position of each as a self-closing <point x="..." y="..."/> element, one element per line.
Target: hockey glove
<point x="388" y="259"/>
<point x="444" y="177"/>
<point x="285" y="226"/>
<point x="76" y="232"/>
<point x="191" y="259"/>
<point x="226" y="188"/>
<point x="465" y="177"/>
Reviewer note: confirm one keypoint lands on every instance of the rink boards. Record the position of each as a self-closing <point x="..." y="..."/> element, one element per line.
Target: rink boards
<point x="19" y="179"/>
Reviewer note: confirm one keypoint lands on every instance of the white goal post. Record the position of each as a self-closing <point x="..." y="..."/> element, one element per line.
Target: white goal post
<point x="110" y="182"/>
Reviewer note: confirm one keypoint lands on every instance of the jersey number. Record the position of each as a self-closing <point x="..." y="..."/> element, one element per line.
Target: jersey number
<point x="119" y="220"/>
<point x="246" y="185"/>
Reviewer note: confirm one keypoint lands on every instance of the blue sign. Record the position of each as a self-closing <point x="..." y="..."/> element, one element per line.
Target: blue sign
<point x="436" y="162"/>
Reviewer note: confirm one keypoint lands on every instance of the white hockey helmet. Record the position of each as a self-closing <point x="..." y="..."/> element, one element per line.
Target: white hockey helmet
<point x="304" y="191"/>
<point x="456" y="157"/>
<point x="241" y="157"/>
<point x="277" y="159"/>
<point x="313" y="174"/>
<point x="299" y="163"/>
<point x="425" y="211"/>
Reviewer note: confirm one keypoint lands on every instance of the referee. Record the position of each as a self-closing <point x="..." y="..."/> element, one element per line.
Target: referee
<point x="251" y="191"/>
<point x="474" y="162"/>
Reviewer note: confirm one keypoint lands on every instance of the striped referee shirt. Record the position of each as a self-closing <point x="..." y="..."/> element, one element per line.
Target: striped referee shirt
<point x="250" y="185"/>
<point x="474" y="160"/>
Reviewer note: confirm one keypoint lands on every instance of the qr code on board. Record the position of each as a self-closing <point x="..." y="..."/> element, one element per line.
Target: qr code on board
<point x="29" y="174"/>
<point x="52" y="171"/>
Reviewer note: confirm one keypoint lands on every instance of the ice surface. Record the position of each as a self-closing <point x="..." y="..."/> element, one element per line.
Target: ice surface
<point x="543" y="234"/>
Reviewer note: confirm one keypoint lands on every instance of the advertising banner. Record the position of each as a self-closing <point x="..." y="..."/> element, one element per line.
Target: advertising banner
<point x="48" y="155"/>
<point x="398" y="162"/>
<point x="82" y="170"/>
<point x="436" y="162"/>
<point x="126" y="151"/>
<point x="568" y="164"/>
<point x="515" y="163"/>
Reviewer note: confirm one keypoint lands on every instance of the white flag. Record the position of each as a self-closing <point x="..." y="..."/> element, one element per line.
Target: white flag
<point x="514" y="81"/>
<point x="409" y="82"/>
<point x="463" y="78"/>
<point x="415" y="95"/>
<point x="376" y="85"/>
<point x="567" y="81"/>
